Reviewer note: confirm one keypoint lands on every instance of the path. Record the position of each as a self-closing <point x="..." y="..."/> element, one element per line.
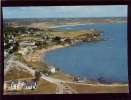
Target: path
<point x="62" y="86"/>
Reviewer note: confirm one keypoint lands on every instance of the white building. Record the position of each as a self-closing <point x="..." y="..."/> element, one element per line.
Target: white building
<point x="52" y="69"/>
<point x="10" y="40"/>
<point x="27" y="43"/>
<point x="23" y="51"/>
<point x="31" y="85"/>
<point x="17" y="85"/>
<point x="5" y="53"/>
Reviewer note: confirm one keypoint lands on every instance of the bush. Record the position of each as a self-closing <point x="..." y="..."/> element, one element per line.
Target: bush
<point x="37" y="75"/>
<point x="45" y="71"/>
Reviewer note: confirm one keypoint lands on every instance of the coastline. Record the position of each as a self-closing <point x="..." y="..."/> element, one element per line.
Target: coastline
<point x="39" y="54"/>
<point x="36" y="56"/>
<point x="78" y="24"/>
<point x="35" y="60"/>
<point x="59" y="26"/>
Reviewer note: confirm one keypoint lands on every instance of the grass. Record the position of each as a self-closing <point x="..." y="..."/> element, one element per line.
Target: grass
<point x="43" y="87"/>
<point x="14" y="73"/>
<point x="19" y="57"/>
<point x="27" y="37"/>
<point x="99" y="89"/>
<point x="62" y="76"/>
<point x="71" y="34"/>
<point x="37" y="65"/>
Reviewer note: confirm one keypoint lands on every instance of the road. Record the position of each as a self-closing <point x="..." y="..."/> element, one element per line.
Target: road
<point x="61" y="89"/>
<point x="62" y="86"/>
<point x="65" y="89"/>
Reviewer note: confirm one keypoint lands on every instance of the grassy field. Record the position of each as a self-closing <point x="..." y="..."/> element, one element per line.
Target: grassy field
<point x="28" y="37"/>
<point x="70" y="34"/>
<point x="43" y="87"/>
<point x="41" y="66"/>
<point x="62" y="76"/>
<point x="14" y="73"/>
<point x="99" y="89"/>
<point x="37" y="65"/>
<point x="19" y="57"/>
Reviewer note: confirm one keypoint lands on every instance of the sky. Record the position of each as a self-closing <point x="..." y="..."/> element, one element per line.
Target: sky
<point x="65" y="11"/>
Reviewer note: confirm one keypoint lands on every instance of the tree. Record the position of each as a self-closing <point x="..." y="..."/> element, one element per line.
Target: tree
<point x="57" y="39"/>
<point x="37" y="75"/>
<point x="16" y="45"/>
<point x="45" y="71"/>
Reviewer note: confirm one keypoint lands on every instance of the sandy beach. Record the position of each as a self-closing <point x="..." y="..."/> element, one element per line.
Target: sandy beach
<point x="36" y="55"/>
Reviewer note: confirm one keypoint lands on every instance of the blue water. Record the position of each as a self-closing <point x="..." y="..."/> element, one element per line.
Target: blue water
<point x="106" y="59"/>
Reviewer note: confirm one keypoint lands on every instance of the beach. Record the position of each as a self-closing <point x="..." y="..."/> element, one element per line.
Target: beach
<point x="36" y="55"/>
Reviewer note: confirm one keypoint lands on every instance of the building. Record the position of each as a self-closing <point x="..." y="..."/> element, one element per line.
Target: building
<point x="31" y="85"/>
<point x="52" y="69"/>
<point x="23" y="51"/>
<point x="18" y="85"/>
<point x="5" y="53"/>
<point x="26" y="43"/>
<point x="10" y="40"/>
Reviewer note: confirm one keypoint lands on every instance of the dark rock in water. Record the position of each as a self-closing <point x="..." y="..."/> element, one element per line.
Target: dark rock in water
<point x="101" y="80"/>
<point x="104" y="81"/>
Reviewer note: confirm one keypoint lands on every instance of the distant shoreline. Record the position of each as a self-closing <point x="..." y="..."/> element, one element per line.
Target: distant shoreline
<point x="60" y="26"/>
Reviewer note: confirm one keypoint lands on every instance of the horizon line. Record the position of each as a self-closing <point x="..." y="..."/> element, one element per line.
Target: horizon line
<point x="65" y="17"/>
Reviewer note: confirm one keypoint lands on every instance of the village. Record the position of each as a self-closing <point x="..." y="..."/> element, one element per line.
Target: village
<point x="26" y="48"/>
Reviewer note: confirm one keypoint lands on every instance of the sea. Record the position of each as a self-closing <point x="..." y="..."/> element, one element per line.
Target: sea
<point x="106" y="59"/>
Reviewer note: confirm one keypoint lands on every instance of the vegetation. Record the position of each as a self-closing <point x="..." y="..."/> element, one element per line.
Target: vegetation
<point x="37" y="65"/>
<point x="17" y="30"/>
<point x="19" y="57"/>
<point x="43" y="87"/>
<point x="37" y="75"/>
<point x="16" y="73"/>
<point x="99" y="89"/>
<point x="62" y="76"/>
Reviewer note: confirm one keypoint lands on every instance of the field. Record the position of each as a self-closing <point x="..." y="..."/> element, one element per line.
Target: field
<point x="100" y="89"/>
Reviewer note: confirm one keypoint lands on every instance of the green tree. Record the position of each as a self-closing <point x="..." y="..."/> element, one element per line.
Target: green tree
<point x="37" y="75"/>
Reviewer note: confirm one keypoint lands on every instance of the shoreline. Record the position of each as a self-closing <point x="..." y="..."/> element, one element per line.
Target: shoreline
<point x="39" y="54"/>
<point x="36" y="55"/>
<point x="79" y="24"/>
<point x="44" y="52"/>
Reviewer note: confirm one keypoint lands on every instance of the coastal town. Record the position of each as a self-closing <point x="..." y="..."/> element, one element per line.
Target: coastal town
<point x="25" y="73"/>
